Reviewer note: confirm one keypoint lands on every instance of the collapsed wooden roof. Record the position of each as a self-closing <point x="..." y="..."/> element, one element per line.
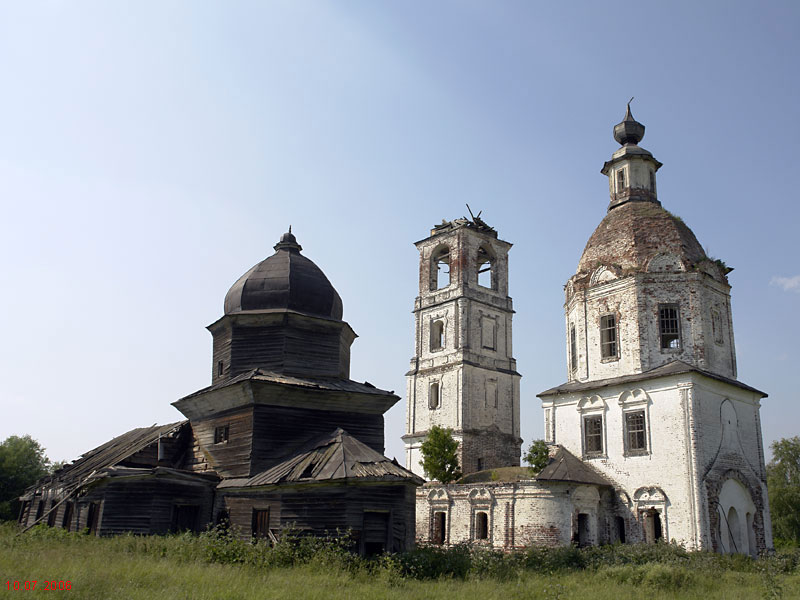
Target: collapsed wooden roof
<point x="332" y="457"/>
<point x="120" y="449"/>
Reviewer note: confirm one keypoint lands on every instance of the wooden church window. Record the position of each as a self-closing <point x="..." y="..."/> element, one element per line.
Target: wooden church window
<point x="221" y="434"/>
<point x="608" y="336"/>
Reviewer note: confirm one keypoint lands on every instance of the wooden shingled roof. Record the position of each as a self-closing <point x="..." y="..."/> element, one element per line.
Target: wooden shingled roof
<point x="332" y="457"/>
<point x="565" y="466"/>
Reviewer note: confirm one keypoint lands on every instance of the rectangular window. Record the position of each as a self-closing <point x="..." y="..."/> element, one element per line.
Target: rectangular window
<point x="620" y="180"/>
<point x="573" y="349"/>
<point x="221" y="434"/>
<point x="608" y="336"/>
<point x="481" y="526"/>
<point x="220" y="368"/>
<point x="593" y="435"/>
<point x="636" y="431"/>
<point x="669" y="326"/>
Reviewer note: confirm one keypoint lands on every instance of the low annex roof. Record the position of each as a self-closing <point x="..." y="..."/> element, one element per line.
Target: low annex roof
<point x="565" y="466"/>
<point x="334" y="456"/>
<point x="676" y="367"/>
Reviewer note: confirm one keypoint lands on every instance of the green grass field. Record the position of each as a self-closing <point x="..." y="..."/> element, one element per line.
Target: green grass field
<point x="204" y="567"/>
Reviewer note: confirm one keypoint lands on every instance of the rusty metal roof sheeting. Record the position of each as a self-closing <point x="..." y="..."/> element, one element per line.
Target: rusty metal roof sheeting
<point x="565" y="466"/>
<point x="335" y="456"/>
<point x="675" y="367"/>
<point x="111" y="453"/>
<point x="322" y="384"/>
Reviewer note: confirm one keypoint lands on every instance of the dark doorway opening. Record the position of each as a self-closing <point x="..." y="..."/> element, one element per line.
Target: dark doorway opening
<point x="620" y="529"/>
<point x="184" y="517"/>
<point x="439" y="528"/>
<point x="583" y="530"/>
<point x="376" y="532"/>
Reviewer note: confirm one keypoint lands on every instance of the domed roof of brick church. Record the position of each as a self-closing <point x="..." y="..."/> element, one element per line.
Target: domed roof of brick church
<point x="286" y="280"/>
<point x="634" y="233"/>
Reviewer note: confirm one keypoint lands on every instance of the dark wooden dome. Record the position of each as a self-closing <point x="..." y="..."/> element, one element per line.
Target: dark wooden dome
<point x="286" y="280"/>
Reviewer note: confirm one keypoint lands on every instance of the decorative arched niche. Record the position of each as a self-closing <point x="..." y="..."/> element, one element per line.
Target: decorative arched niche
<point x="736" y="514"/>
<point x="665" y="263"/>
<point x="602" y="274"/>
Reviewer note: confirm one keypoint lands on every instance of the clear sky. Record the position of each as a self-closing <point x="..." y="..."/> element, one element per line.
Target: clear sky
<point x="152" y="152"/>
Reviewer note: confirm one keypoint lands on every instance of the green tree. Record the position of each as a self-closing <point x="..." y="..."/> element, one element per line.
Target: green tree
<point x="440" y="455"/>
<point x="22" y="462"/>
<point x="537" y="456"/>
<point x="783" y="484"/>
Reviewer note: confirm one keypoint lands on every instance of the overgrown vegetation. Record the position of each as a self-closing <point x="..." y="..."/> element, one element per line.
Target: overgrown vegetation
<point x="537" y="456"/>
<point x="783" y="484"/>
<point x="440" y="455"/>
<point x="217" y="565"/>
<point x="22" y="463"/>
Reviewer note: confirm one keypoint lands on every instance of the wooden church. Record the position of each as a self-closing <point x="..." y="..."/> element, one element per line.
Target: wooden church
<point x="281" y="437"/>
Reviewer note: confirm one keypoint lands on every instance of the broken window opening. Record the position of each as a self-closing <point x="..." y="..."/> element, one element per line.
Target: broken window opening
<point x="573" y="349"/>
<point x="184" y="517"/>
<point x="437" y="335"/>
<point x="485" y="269"/>
<point x="51" y="516"/>
<point x="260" y="523"/>
<point x="608" y="336"/>
<point x="434" y="396"/>
<point x="440" y="269"/>
<point x="584" y="534"/>
<point x="439" y="528"/>
<point x="593" y="435"/>
<point x="636" y="431"/>
<point x="669" y="327"/>
<point x="69" y="511"/>
<point x="221" y="434"/>
<point x="481" y="526"/>
<point x="651" y="522"/>
<point x="220" y="368"/>
<point x="93" y="518"/>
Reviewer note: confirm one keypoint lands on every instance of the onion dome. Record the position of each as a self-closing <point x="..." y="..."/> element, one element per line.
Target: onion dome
<point x="287" y="280"/>
<point x="629" y="131"/>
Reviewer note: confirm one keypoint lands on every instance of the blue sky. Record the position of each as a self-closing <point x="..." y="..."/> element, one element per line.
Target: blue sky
<point x="152" y="152"/>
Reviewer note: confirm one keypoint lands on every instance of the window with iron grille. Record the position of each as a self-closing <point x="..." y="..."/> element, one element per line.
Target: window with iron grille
<point x="669" y="326"/>
<point x="593" y="435"/>
<point x="608" y="336"/>
<point x="573" y="349"/>
<point x="636" y="431"/>
<point x="221" y="434"/>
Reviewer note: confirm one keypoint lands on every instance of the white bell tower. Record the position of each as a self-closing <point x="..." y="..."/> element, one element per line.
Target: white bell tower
<point x="463" y="375"/>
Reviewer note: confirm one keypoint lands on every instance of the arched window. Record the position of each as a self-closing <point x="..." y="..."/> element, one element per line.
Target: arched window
<point x="485" y="268"/>
<point x="437" y="335"/>
<point x="440" y="268"/>
<point x="481" y="526"/>
<point x="434" y="396"/>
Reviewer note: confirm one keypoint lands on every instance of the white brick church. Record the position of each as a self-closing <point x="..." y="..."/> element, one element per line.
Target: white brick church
<point x="652" y="436"/>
